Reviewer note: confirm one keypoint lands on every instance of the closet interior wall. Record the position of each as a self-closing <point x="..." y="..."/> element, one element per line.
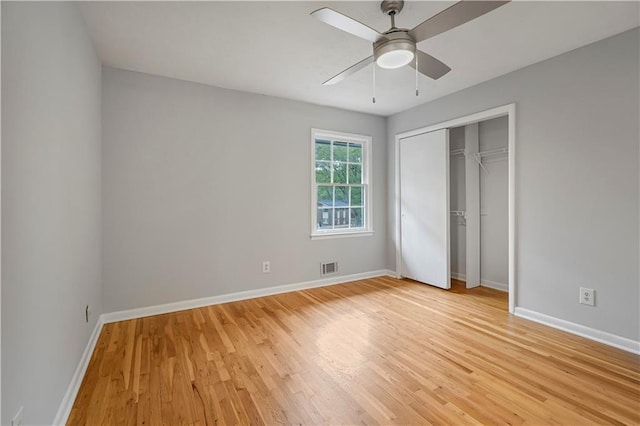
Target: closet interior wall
<point x="493" y="181"/>
<point x="457" y="200"/>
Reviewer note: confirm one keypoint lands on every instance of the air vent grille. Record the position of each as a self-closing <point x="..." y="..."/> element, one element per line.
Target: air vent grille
<point x="329" y="268"/>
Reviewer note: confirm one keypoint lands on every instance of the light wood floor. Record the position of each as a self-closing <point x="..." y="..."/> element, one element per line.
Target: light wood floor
<point x="374" y="351"/>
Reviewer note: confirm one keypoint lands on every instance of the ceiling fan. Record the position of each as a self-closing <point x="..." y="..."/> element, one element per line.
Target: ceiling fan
<point x="396" y="47"/>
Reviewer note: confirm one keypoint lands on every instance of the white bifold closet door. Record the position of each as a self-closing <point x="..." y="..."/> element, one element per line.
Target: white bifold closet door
<point x="424" y="208"/>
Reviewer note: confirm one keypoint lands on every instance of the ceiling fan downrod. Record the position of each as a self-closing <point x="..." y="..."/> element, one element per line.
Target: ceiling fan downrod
<point x="392" y="8"/>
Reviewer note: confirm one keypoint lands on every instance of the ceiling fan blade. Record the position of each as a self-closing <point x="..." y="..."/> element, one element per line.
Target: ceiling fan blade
<point x="429" y="66"/>
<point x="351" y="70"/>
<point x="344" y="23"/>
<point x="458" y="14"/>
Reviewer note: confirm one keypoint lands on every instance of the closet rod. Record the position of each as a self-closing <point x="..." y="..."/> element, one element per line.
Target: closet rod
<point x="496" y="151"/>
<point x="461" y="213"/>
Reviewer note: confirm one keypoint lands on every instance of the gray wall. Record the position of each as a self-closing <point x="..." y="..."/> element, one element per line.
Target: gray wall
<point x="577" y="178"/>
<point x="51" y="208"/>
<point x="202" y="184"/>
<point x="494" y="203"/>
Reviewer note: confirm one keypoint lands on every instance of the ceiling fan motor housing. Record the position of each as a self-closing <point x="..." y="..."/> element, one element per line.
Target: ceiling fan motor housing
<point x="389" y="7"/>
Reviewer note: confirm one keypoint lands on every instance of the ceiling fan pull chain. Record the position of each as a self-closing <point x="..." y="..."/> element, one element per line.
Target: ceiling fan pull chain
<point x="374" y="83"/>
<point x="417" y="91"/>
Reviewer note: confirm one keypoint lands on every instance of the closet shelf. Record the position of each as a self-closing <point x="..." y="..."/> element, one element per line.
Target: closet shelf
<point x="478" y="156"/>
<point x="481" y="154"/>
<point x="462" y="215"/>
<point x="490" y="152"/>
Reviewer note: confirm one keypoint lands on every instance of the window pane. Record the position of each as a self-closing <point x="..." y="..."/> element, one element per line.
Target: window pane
<point x="325" y="196"/>
<point x="340" y="176"/>
<point x="357" y="218"/>
<point x="355" y="153"/>
<point x="339" y="151"/>
<point x="355" y="173"/>
<point x="356" y="196"/>
<point x="339" y="172"/>
<point x="325" y="219"/>
<point x="323" y="172"/>
<point x="342" y="196"/>
<point x="323" y="150"/>
<point x="341" y="218"/>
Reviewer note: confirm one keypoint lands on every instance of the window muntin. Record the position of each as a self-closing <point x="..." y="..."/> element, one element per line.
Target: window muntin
<point x="340" y="190"/>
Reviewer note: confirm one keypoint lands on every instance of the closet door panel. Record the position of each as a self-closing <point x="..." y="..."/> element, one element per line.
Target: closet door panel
<point x="424" y="208"/>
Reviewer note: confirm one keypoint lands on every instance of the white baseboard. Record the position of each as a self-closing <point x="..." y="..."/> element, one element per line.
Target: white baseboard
<point x="234" y="297"/>
<point x="484" y="283"/>
<point x="458" y="276"/>
<point x="581" y="330"/>
<point x="495" y="285"/>
<point x="72" y="390"/>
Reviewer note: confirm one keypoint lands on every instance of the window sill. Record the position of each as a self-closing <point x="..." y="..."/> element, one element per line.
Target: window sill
<point x="330" y="235"/>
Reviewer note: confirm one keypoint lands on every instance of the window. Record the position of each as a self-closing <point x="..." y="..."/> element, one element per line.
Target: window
<point x="341" y="195"/>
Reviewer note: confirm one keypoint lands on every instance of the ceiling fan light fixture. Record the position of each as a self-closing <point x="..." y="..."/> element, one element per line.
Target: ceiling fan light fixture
<point x="395" y="50"/>
<point x="395" y="59"/>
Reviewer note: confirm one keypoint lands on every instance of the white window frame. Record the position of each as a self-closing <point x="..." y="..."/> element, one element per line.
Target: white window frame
<point x="366" y="182"/>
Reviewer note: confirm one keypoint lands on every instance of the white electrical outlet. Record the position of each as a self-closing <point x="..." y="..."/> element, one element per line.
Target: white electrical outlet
<point x="17" y="419"/>
<point x="587" y="296"/>
<point x="266" y="266"/>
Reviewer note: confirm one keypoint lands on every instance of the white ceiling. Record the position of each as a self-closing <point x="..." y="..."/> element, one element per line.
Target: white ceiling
<point x="277" y="49"/>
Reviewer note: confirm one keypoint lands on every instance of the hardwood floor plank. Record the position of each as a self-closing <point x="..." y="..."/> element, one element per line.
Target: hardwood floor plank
<point x="376" y="351"/>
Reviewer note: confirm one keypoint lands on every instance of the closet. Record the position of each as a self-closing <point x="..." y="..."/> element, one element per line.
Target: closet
<point x="479" y="203"/>
<point x="454" y="205"/>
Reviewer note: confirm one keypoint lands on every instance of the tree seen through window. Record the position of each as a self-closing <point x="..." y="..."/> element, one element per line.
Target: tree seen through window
<point x="339" y="184"/>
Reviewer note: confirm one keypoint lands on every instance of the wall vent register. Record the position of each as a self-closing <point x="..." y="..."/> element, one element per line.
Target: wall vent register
<point x="329" y="268"/>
